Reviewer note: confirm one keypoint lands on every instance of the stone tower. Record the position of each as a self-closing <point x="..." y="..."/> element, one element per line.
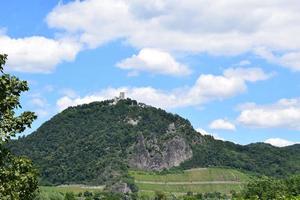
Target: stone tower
<point x="122" y="95"/>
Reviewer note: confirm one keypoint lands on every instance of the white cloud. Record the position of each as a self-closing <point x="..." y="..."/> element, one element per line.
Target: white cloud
<point x="289" y="59"/>
<point x="36" y="54"/>
<point x="148" y="95"/>
<point x="278" y="142"/>
<point x="66" y="101"/>
<point x="39" y="102"/>
<point x="199" y="26"/>
<point x="68" y="92"/>
<point x="222" y="124"/>
<point x="39" y="105"/>
<point x="232" y="82"/>
<point x="42" y="113"/>
<point x="285" y="114"/>
<point x="97" y="22"/>
<point x="206" y="26"/>
<point x="204" y="132"/>
<point x="207" y="88"/>
<point x="244" y="63"/>
<point x="216" y="87"/>
<point x="155" y="61"/>
<point x="248" y="74"/>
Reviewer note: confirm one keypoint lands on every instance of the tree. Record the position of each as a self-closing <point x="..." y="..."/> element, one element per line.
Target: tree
<point x="70" y="196"/>
<point x="264" y="188"/>
<point x="18" y="178"/>
<point x="293" y="185"/>
<point x="160" y="196"/>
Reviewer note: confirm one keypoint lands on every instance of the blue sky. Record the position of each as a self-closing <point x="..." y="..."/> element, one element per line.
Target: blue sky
<point x="233" y="75"/>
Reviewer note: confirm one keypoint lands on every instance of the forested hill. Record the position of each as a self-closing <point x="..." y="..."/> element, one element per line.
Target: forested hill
<point x="98" y="142"/>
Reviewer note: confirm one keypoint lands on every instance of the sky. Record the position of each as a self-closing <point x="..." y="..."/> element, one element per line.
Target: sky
<point x="230" y="67"/>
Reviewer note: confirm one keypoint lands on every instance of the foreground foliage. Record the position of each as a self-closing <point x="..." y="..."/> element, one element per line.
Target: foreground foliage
<point x="18" y="178"/>
<point x="269" y="188"/>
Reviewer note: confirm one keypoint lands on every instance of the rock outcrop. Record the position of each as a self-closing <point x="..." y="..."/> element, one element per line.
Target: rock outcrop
<point x="149" y="154"/>
<point x="120" y="187"/>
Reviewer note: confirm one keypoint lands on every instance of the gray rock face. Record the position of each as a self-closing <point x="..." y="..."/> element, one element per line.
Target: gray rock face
<point x="133" y="122"/>
<point x="171" y="128"/>
<point x="120" y="188"/>
<point x="149" y="155"/>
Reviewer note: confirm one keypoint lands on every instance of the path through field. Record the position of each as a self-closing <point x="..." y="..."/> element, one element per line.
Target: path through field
<point x="189" y="183"/>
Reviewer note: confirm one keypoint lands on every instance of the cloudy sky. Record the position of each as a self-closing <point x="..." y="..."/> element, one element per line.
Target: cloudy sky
<point x="231" y="67"/>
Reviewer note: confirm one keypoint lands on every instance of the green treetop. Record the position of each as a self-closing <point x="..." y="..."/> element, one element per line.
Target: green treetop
<point x="18" y="179"/>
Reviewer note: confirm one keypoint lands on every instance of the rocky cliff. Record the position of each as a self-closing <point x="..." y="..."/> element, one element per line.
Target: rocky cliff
<point x="149" y="154"/>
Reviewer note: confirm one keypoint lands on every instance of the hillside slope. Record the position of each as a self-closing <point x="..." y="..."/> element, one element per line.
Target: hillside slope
<point x="258" y="158"/>
<point x="97" y="143"/>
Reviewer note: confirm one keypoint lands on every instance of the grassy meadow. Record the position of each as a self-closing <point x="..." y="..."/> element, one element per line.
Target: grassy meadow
<point x="200" y="180"/>
<point x="70" y="188"/>
<point x="59" y="192"/>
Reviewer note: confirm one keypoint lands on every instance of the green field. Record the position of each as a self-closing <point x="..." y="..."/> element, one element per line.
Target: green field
<point x="70" y="188"/>
<point x="223" y="188"/>
<point x="59" y="192"/>
<point x="200" y="180"/>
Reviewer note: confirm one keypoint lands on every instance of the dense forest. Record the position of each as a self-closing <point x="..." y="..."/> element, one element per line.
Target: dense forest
<point x="257" y="158"/>
<point x="91" y="144"/>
